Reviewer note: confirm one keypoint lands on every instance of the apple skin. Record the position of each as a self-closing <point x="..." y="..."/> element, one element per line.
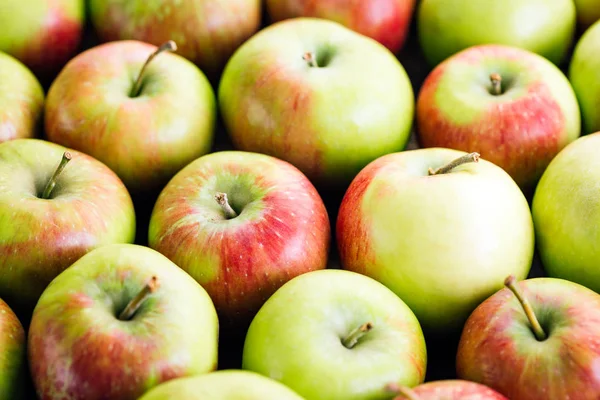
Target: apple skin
<point x="387" y="21"/>
<point x="282" y="229"/>
<point x="520" y="130"/>
<point x="442" y="243"/>
<point x="447" y="27"/>
<point x="90" y="207"/>
<point x="499" y="349"/>
<point x="13" y="361"/>
<point x="455" y="389"/>
<point x="273" y="102"/>
<point x="588" y="12"/>
<point x="206" y="31"/>
<point x="296" y="338"/>
<point x="144" y="139"/>
<point x="78" y="349"/>
<point x="21" y="100"/>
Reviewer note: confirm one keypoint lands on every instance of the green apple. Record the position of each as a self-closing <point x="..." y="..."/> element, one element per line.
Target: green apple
<point x="588" y="12"/>
<point x="335" y="334"/>
<point x="318" y="95"/>
<point x="12" y="354"/>
<point x="439" y="230"/>
<point x="546" y="27"/>
<point x="121" y="320"/>
<point x="21" y="100"/>
<point x="222" y="385"/>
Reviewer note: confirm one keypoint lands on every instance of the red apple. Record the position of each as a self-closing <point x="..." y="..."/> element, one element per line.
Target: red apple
<point x="452" y="389"/>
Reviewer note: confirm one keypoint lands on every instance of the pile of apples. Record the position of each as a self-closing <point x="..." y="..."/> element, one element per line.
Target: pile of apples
<point x="184" y="183"/>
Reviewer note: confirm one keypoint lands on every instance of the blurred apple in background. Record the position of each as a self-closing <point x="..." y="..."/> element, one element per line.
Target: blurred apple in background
<point x="546" y="27"/>
<point x="13" y="360"/>
<point x="318" y="95"/>
<point x="21" y="100"/>
<point x="387" y="21"/>
<point x="512" y="106"/>
<point x="588" y="12"/>
<point x="453" y="389"/>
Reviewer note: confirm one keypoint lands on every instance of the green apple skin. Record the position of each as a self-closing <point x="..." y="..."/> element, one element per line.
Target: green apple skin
<point x="545" y="27"/>
<point x="13" y="360"/>
<point x="296" y="338"/>
<point x="499" y="349"/>
<point x="222" y="385"/>
<point x="273" y="102"/>
<point x="566" y="214"/>
<point x="21" y="100"/>
<point x="521" y="130"/>
<point x="147" y="138"/>
<point x="79" y="349"/>
<point x="89" y="207"/>
<point x="442" y="243"/>
<point x="588" y="12"/>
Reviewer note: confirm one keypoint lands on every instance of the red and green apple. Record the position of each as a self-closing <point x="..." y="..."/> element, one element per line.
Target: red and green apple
<point x="13" y="360"/>
<point x="450" y="389"/>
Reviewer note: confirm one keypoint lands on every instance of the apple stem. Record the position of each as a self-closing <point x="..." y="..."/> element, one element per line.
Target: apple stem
<point x="402" y="391"/>
<point x="309" y="57"/>
<point x="52" y="182"/>
<point x="467" y="158"/>
<point x="496" y="84"/>
<point x="351" y="340"/>
<point x="540" y="335"/>
<point x="138" y="300"/>
<point x="168" y="46"/>
<point x="221" y="198"/>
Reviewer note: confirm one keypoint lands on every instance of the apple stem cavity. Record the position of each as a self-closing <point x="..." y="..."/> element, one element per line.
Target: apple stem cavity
<point x="52" y="182"/>
<point x="168" y="46"/>
<point x="496" y="80"/>
<point x="310" y="59"/>
<point x="222" y="200"/>
<point x="510" y="283"/>
<point x="403" y="392"/>
<point x="138" y="300"/>
<point x="471" y="157"/>
<point x="354" y="336"/>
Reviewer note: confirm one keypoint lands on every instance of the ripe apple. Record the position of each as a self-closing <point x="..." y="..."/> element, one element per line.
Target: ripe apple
<point x="50" y="216"/>
<point x="545" y="27"/>
<point x="222" y="385"/>
<point x="514" y="107"/>
<point x="438" y="230"/>
<point x="208" y="31"/>
<point x="12" y="354"/>
<point x="21" y="100"/>
<point x="144" y="114"/>
<point x="318" y="95"/>
<point x="121" y="320"/>
<point x="387" y="21"/>
<point x="506" y="347"/>
<point x="335" y="334"/>
<point x="241" y="224"/>
<point x="452" y="389"/>
<point x="588" y="12"/>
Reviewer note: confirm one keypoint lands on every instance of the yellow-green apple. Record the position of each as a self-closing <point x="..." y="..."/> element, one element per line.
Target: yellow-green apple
<point x="514" y="107"/>
<point x="566" y="214"/>
<point x="588" y="12"/>
<point x="21" y="100"/>
<point x="143" y="111"/>
<point x="222" y="385"/>
<point x="207" y="31"/>
<point x="52" y="212"/>
<point x="335" y="334"/>
<point x="121" y="320"/>
<point x="387" y="21"/>
<point x="241" y="224"/>
<point x="545" y="27"/>
<point x="451" y="389"/>
<point x="43" y="34"/>
<point x="535" y="339"/>
<point x="439" y="229"/>
<point x="318" y="95"/>
<point x="13" y="361"/>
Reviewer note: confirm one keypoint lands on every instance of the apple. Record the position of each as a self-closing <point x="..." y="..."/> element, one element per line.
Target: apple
<point x="21" y="100"/>
<point x="538" y="340"/>
<point x="545" y="27"/>
<point x="450" y="389"/>
<point x="588" y="12"/>
<point x="208" y="31"/>
<point x="438" y="229"/>
<point x="119" y="321"/>
<point x="50" y="216"/>
<point x="42" y="34"/>
<point x="318" y="95"/>
<point x="241" y="224"/>
<point x="144" y="114"/>
<point x="514" y="107"/>
<point x="387" y="21"/>
<point x="12" y="354"/>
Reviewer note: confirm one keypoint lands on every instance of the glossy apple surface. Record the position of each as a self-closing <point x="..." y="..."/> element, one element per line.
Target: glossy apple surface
<point x="12" y="354"/>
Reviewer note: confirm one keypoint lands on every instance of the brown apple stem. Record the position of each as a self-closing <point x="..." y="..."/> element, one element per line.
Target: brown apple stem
<point x="540" y="335"/>
<point x="309" y="57"/>
<point x="496" y="84"/>
<point x="403" y="392"/>
<point x="52" y="182"/>
<point x="138" y="300"/>
<point x="471" y="157"/>
<point x="351" y="340"/>
<point x="168" y="46"/>
<point x="221" y="198"/>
